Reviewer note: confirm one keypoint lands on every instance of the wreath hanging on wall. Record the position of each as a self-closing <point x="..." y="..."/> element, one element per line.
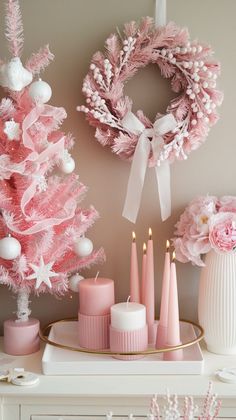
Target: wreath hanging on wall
<point x="188" y="118"/>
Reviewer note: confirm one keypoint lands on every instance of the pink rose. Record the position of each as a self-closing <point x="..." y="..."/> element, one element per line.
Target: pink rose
<point x="222" y="232"/>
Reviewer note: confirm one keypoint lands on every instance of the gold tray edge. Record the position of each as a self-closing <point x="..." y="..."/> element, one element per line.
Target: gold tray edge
<point x="44" y="337"/>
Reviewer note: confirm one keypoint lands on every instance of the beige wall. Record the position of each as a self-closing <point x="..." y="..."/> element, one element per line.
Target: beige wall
<point x="75" y="29"/>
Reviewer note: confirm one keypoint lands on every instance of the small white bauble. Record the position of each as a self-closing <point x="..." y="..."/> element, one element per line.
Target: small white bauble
<point x="40" y="92"/>
<point x="83" y="247"/>
<point x="10" y="248"/>
<point x="67" y="165"/>
<point x="74" y="282"/>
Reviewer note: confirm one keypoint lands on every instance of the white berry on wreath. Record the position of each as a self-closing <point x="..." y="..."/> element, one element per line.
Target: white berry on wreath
<point x="40" y="92"/>
<point x="10" y="248"/>
<point x="83" y="247"/>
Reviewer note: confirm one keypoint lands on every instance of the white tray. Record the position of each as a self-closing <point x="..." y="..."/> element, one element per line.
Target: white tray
<point x="58" y="361"/>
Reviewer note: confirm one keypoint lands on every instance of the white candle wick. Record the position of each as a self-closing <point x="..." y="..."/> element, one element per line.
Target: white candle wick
<point x="96" y="277"/>
<point x="128" y="300"/>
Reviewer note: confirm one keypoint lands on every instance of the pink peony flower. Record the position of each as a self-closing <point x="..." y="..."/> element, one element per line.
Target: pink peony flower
<point x="206" y="223"/>
<point x="193" y="230"/>
<point x="222" y="235"/>
<point x="227" y="204"/>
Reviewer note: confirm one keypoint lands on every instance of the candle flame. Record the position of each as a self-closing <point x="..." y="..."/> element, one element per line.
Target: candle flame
<point x="173" y="256"/>
<point x="167" y="245"/>
<point x="144" y="248"/>
<point x="150" y="233"/>
<point x="133" y="236"/>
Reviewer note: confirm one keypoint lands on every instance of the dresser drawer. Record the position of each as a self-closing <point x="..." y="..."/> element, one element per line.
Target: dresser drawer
<point x="65" y="417"/>
<point x="74" y="417"/>
<point x="53" y="417"/>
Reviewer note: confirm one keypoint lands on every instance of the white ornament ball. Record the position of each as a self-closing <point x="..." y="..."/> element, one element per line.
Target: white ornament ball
<point x="67" y="165"/>
<point x="40" y="92"/>
<point x="74" y="282"/>
<point x="10" y="248"/>
<point x="83" y="247"/>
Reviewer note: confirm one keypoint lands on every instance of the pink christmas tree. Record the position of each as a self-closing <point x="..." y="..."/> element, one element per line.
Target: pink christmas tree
<point x="42" y="227"/>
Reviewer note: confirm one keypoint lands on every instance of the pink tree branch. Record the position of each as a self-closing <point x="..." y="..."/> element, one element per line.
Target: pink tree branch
<point x="7" y="109"/>
<point x="40" y="60"/>
<point x="14" y="28"/>
<point x="73" y="263"/>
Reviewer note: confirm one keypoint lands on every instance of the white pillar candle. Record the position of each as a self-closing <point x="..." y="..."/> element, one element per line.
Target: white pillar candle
<point x="128" y="316"/>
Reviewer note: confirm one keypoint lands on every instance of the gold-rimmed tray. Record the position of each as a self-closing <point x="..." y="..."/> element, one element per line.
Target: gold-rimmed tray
<point x="58" y="359"/>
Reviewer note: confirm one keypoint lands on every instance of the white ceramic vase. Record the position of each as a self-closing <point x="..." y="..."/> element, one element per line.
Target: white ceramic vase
<point x="217" y="302"/>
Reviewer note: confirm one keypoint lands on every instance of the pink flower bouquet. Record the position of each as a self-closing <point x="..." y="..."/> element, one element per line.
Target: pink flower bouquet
<point x="207" y="223"/>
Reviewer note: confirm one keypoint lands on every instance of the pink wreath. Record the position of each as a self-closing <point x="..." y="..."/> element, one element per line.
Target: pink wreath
<point x="188" y="117"/>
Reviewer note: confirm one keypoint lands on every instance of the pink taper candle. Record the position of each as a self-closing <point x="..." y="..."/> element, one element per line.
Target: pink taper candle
<point x="173" y="328"/>
<point x="149" y="297"/>
<point x="144" y="266"/>
<point x="162" y="325"/>
<point x="134" y="276"/>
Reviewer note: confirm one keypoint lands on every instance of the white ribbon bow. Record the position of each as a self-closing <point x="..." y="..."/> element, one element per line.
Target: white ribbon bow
<point x="140" y="162"/>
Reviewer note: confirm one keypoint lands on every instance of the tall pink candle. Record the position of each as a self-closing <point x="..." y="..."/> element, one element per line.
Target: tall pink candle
<point x="96" y="296"/>
<point x="162" y="326"/>
<point x="134" y="276"/>
<point x="149" y="297"/>
<point x="144" y="266"/>
<point x="173" y="333"/>
<point x="173" y="328"/>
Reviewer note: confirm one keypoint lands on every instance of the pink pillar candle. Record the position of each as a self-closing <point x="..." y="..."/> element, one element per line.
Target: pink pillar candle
<point x="128" y="342"/>
<point x="173" y="327"/>
<point x="94" y="331"/>
<point x="149" y="292"/>
<point x="96" y="296"/>
<point x="128" y="330"/>
<point x="21" y="337"/>
<point x="144" y="266"/>
<point x="134" y="275"/>
<point x="162" y="325"/>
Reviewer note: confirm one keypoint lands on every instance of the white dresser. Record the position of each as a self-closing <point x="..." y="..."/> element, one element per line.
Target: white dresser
<point x="91" y="397"/>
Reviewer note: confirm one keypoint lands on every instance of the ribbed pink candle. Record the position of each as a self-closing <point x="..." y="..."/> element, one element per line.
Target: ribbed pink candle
<point x="96" y="296"/>
<point x="162" y="325"/>
<point x="128" y="330"/>
<point x="149" y="292"/>
<point x="144" y="266"/>
<point x="173" y="328"/>
<point x="94" y="331"/>
<point x="134" y="276"/>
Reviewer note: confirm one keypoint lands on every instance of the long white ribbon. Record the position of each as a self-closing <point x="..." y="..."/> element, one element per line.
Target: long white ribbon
<point x="140" y="163"/>
<point x="160" y="12"/>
